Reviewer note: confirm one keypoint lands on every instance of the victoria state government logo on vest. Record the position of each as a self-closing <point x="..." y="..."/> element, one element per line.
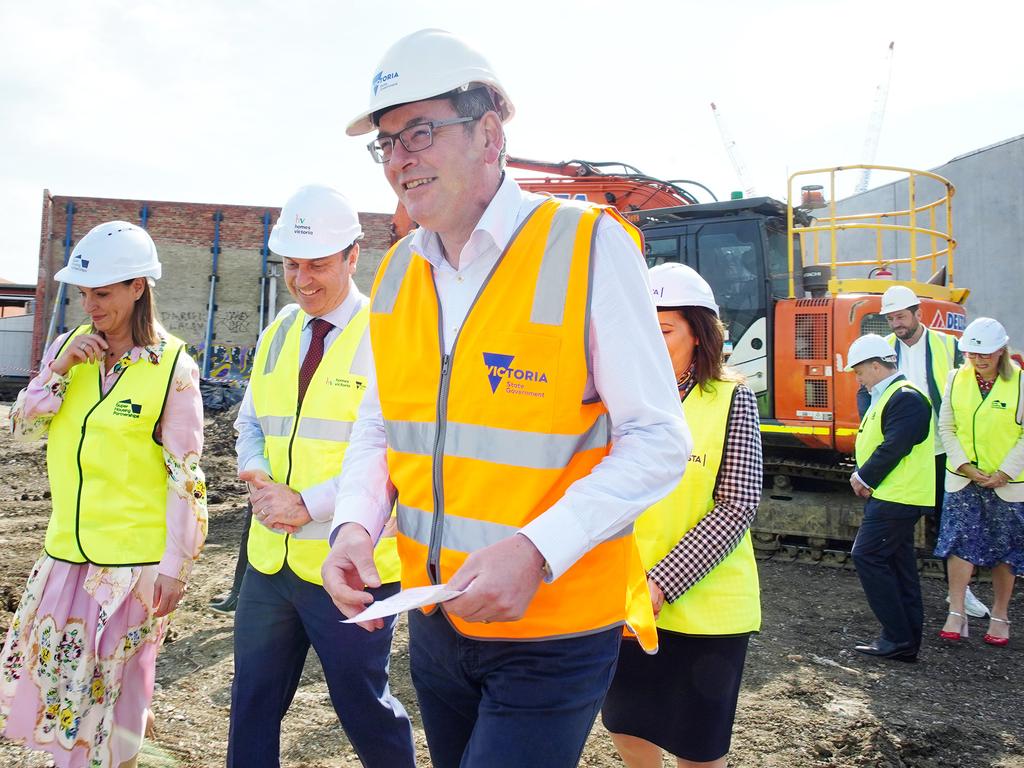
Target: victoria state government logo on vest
<point x="512" y="380"/>
<point x="127" y="408"/>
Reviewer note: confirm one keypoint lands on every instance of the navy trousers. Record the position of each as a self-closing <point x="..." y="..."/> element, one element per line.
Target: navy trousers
<point x="886" y="563"/>
<point x="488" y="703"/>
<point x="278" y="617"/>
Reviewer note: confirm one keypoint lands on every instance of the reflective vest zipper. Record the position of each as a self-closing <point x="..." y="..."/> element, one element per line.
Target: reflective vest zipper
<point x="78" y="455"/>
<point x="437" y="523"/>
<point x="288" y="475"/>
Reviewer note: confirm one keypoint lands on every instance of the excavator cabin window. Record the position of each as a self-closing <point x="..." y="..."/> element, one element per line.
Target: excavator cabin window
<point x="730" y="257"/>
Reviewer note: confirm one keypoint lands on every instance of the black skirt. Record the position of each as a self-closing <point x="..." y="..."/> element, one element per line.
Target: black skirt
<point x="683" y="698"/>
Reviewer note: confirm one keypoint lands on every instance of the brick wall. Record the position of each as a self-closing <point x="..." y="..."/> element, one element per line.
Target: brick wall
<point x="184" y="233"/>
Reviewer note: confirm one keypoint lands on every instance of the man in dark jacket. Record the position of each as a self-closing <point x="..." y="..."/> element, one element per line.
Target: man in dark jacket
<point x="895" y="476"/>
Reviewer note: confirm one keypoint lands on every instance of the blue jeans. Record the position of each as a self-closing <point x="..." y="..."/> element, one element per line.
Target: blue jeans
<point x="278" y="617"/>
<point x="487" y="703"/>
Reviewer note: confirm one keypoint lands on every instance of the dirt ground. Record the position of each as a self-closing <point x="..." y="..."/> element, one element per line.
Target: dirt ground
<point x="807" y="698"/>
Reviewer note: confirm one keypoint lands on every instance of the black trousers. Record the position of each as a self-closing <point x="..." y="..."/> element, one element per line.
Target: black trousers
<point x="886" y="563"/>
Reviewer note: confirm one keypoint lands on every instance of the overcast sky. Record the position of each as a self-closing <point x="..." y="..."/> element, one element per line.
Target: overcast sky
<point x="243" y="101"/>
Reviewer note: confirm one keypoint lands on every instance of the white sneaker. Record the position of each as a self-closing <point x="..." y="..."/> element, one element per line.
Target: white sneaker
<point x="973" y="606"/>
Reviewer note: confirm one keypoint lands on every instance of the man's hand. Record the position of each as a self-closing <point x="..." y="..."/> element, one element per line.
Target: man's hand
<point x="657" y="596"/>
<point x="167" y="593"/>
<point x="859" y="488"/>
<point x="348" y="567"/>
<point x="275" y="505"/>
<point x="505" y="576"/>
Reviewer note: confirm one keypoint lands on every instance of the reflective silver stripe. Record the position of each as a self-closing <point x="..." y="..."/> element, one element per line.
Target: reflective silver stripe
<point x="415" y="437"/>
<point x="391" y="281"/>
<point x="277" y="343"/>
<point x="590" y="299"/>
<point x="325" y="429"/>
<point x="276" y="426"/>
<point x="461" y="534"/>
<point x="533" y="450"/>
<point x="362" y="360"/>
<point x="553" y="278"/>
<point x="464" y="534"/>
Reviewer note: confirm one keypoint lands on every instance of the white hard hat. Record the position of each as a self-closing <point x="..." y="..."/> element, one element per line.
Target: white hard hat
<point x="898" y="297"/>
<point x="867" y="347"/>
<point x="984" y="336"/>
<point x="316" y="221"/>
<point x="425" y="65"/>
<point x="677" y="285"/>
<point x="110" y="253"/>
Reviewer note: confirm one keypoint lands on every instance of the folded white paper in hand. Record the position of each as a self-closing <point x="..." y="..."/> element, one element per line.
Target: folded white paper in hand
<point x="406" y="600"/>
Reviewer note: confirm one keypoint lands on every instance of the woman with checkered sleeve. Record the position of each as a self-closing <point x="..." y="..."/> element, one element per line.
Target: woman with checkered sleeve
<point x="695" y="545"/>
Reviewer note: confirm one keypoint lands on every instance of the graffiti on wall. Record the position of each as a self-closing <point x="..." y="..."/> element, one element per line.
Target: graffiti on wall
<point x="225" y="362"/>
<point x="185" y="324"/>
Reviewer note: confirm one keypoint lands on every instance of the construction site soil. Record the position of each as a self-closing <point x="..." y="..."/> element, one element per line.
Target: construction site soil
<point x="807" y="699"/>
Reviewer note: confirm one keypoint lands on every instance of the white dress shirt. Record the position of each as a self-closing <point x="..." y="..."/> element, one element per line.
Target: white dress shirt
<point x="632" y="375"/>
<point x="319" y="499"/>
<point x="914" y="365"/>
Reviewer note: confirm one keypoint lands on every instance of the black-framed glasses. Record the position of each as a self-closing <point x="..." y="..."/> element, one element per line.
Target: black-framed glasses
<point x="415" y="138"/>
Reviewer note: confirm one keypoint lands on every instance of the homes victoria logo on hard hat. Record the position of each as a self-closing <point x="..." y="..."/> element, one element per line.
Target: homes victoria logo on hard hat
<point x="301" y="227"/>
<point x="384" y="80"/>
<point x="77" y="262"/>
<point x="127" y="408"/>
<point x="517" y="381"/>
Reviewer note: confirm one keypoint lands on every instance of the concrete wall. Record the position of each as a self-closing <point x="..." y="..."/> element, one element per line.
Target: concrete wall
<point x="988" y="224"/>
<point x="184" y="233"/>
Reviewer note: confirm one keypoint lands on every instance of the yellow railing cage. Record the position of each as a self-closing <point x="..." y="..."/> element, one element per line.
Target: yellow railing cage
<point x="918" y="223"/>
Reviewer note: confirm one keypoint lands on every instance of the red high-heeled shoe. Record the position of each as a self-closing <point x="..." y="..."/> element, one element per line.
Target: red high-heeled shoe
<point x="997" y="641"/>
<point x="955" y="636"/>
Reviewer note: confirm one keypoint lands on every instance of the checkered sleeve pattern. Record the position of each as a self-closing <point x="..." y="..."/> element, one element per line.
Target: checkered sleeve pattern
<point x="737" y="494"/>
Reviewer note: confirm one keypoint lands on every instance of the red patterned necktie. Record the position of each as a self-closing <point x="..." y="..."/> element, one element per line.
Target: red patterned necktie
<point x="314" y="354"/>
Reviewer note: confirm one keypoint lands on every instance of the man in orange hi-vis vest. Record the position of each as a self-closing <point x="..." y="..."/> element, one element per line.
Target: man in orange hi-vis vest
<point x="520" y="416"/>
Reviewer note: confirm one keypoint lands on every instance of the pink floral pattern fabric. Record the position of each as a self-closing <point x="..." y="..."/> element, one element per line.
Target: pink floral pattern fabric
<point x="78" y="664"/>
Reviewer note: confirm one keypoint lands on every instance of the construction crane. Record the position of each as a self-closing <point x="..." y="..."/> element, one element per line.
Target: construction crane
<point x="734" y="155"/>
<point x="875" y="123"/>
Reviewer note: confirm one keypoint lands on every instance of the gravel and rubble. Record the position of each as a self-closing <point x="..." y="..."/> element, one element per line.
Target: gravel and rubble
<point x="807" y="700"/>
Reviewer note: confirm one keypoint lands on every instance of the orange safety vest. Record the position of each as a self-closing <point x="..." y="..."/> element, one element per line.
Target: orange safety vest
<point x="485" y="439"/>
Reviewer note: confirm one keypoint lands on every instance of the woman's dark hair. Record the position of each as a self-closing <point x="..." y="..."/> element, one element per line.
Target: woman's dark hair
<point x="143" y="316"/>
<point x="709" y="333"/>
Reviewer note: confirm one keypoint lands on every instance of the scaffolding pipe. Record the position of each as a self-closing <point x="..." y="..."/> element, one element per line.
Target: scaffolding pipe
<point x="57" y="318"/>
<point x="264" y="253"/>
<point x="211" y="308"/>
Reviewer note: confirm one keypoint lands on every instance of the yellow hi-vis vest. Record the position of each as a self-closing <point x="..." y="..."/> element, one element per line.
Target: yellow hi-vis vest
<point x="940" y="354"/>
<point x="726" y="601"/>
<point x="912" y="481"/>
<point x="485" y="439"/>
<point x="986" y="428"/>
<point x="306" y="447"/>
<point x="107" y="474"/>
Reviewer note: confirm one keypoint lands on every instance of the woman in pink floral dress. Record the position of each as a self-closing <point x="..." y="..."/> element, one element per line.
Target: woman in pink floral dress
<point x="119" y="400"/>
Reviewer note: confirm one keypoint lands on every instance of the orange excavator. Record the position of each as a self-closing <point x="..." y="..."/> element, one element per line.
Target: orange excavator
<point x="796" y="283"/>
<point x="627" y="189"/>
